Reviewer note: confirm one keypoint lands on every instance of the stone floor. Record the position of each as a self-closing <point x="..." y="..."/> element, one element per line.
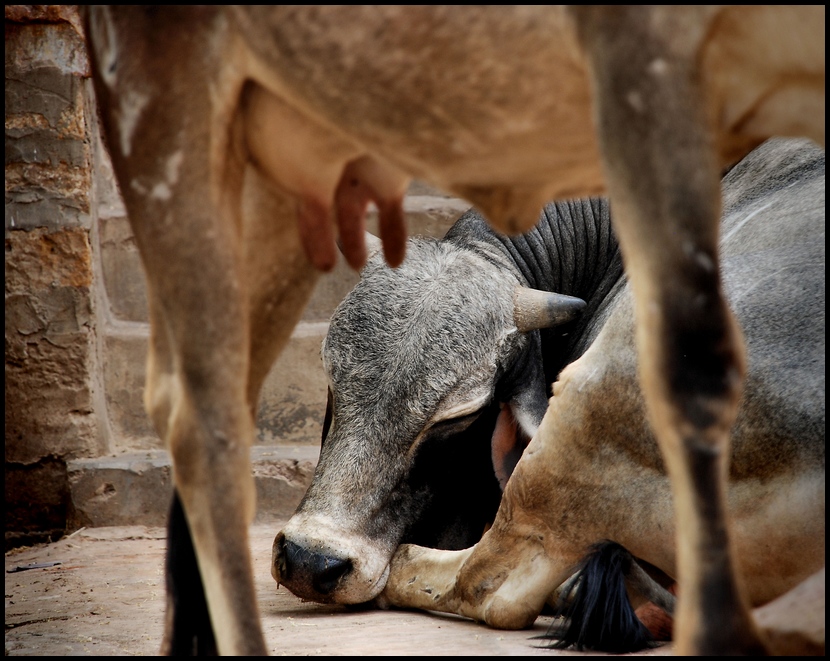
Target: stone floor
<point x="106" y="598"/>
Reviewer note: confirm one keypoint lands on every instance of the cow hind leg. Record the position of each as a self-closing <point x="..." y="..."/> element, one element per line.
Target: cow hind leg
<point x="223" y="293"/>
<point x="663" y="179"/>
<point x="278" y="281"/>
<point x="198" y="401"/>
<point x="181" y="167"/>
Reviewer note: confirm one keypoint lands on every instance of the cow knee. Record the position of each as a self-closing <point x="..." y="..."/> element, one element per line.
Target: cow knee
<point x="161" y="396"/>
<point x="511" y="614"/>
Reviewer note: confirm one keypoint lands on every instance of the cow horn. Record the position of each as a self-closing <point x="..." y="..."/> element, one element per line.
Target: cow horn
<point x="534" y="309"/>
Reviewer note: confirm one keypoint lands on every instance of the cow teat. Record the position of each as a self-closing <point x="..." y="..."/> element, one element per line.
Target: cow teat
<point x="363" y="180"/>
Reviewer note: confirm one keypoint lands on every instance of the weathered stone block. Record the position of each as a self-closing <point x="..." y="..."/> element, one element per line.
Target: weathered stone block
<point x="122" y="271"/>
<point x="42" y="260"/>
<point x="45" y="35"/>
<point x="46" y="152"/>
<point x="44" y="196"/>
<point x="124" y="364"/>
<point x="42" y="98"/>
<point x="129" y="489"/>
<point x="282" y="476"/>
<point x="293" y="400"/>
<point x="50" y="373"/>
<point x="292" y="403"/>
<point x="136" y="488"/>
<point x="49" y="347"/>
<point x="35" y="145"/>
<point x="37" y="498"/>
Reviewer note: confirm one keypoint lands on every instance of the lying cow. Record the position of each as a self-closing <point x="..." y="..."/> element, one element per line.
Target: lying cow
<point x="470" y="331"/>
<point x="241" y="136"/>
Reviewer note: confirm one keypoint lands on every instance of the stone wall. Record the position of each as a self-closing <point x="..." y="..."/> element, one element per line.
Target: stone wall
<point x="52" y="390"/>
<point x="79" y="448"/>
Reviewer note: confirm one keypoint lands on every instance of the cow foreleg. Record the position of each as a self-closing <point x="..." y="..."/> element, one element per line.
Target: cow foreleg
<point x="504" y="583"/>
<point x="277" y="292"/>
<point x="197" y="393"/>
<point x="421" y="577"/>
<point x="663" y="177"/>
<point x="507" y="577"/>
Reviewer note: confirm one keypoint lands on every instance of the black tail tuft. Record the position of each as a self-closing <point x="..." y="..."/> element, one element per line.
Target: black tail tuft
<point x="598" y="614"/>
<point x="188" y="630"/>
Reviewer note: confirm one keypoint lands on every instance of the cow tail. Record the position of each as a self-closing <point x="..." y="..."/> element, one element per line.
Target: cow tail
<point x="593" y="611"/>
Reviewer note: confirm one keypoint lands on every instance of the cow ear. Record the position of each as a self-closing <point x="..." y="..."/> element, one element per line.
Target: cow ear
<point x="524" y="388"/>
<point x="510" y="438"/>
<point x="534" y="309"/>
<point x="505" y="447"/>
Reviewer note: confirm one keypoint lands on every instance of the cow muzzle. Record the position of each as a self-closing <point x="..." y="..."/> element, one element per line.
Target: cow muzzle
<point x="307" y="573"/>
<point x="327" y="572"/>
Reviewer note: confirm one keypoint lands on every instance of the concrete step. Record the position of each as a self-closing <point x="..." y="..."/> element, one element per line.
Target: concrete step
<point x="292" y="401"/>
<point x="136" y="488"/>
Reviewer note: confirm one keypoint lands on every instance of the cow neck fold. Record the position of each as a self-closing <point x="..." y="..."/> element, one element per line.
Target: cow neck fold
<point x="571" y="250"/>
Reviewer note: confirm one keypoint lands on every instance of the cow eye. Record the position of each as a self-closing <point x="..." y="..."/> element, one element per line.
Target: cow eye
<point x="452" y="426"/>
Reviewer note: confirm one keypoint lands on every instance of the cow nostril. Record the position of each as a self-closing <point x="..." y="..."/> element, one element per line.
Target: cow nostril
<point x="304" y="567"/>
<point x="329" y="577"/>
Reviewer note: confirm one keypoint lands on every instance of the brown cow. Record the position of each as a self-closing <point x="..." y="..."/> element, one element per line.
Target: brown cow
<point x="228" y="125"/>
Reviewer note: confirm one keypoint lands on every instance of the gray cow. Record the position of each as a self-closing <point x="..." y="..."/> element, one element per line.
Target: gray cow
<point x="454" y="352"/>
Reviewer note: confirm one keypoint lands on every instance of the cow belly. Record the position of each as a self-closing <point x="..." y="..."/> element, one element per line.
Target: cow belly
<point x="779" y="532"/>
<point x="507" y="139"/>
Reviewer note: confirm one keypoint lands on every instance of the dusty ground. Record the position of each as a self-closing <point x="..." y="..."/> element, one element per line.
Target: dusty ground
<point x="106" y="597"/>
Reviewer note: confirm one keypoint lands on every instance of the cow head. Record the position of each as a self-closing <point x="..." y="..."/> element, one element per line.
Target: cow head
<point x="433" y="368"/>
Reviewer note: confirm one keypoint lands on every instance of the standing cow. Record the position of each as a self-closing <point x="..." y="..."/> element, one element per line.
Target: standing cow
<point x="467" y="335"/>
<point x="241" y="136"/>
